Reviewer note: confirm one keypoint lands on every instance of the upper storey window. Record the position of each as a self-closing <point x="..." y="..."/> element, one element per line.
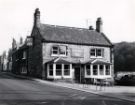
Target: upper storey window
<point x="24" y="54"/>
<point x="96" y="52"/>
<point x="59" y="50"/>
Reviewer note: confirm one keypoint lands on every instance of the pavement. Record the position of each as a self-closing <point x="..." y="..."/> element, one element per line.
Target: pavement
<point x="121" y="92"/>
<point x="126" y="93"/>
<point x="19" y="90"/>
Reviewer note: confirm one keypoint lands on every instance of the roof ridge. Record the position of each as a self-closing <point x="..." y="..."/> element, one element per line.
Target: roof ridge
<point x="67" y="27"/>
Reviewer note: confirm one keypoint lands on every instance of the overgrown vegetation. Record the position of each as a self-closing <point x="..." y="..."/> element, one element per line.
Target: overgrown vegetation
<point x="124" y="56"/>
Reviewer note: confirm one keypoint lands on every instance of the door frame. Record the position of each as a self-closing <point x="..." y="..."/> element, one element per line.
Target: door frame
<point x="76" y="68"/>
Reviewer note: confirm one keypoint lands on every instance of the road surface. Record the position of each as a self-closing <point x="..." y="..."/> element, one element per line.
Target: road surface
<point x="16" y="91"/>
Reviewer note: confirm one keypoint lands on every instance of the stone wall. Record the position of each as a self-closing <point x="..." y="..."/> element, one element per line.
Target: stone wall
<point x="77" y="48"/>
<point x="35" y="55"/>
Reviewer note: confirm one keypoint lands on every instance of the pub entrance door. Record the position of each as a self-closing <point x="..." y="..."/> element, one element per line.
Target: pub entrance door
<point x="77" y="74"/>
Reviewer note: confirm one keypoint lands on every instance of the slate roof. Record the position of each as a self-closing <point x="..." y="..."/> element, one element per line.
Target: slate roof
<point x="73" y="35"/>
<point x="58" y="60"/>
<point x="77" y="61"/>
<point x="97" y="61"/>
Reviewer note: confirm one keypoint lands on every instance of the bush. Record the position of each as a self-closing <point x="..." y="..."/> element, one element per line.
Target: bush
<point x="127" y="80"/>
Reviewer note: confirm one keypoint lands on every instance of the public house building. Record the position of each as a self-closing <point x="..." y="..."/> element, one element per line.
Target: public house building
<point x="69" y="53"/>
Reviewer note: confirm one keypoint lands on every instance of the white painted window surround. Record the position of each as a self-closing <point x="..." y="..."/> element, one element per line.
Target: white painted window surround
<point x="59" y="50"/>
<point x="96" y="53"/>
<point x="60" y="71"/>
<point x="24" y="55"/>
<point x="99" y="71"/>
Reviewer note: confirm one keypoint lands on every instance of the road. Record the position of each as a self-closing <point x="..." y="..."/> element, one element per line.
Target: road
<point x="16" y="91"/>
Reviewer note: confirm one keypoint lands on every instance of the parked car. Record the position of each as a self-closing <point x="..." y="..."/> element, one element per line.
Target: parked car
<point x="126" y="80"/>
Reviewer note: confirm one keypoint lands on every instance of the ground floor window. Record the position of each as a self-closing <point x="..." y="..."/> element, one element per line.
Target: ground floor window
<point x="95" y="70"/>
<point x="101" y="69"/>
<point x="88" y="70"/>
<point x="107" y="70"/>
<point x="66" y="69"/>
<point x="51" y="69"/>
<point x="58" y="69"/>
<point x="24" y="70"/>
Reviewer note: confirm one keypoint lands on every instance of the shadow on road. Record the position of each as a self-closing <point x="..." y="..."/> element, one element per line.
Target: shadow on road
<point x="8" y="75"/>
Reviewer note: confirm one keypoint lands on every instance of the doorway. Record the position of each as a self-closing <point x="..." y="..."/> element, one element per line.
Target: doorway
<point x="77" y="74"/>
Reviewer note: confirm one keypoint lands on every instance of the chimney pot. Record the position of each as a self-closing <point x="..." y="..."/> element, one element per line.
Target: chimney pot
<point x="91" y="28"/>
<point x="99" y="24"/>
<point x="37" y="17"/>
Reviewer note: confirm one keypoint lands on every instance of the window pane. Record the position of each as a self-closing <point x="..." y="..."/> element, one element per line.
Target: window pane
<point x="24" y="54"/>
<point x="50" y="72"/>
<point x="101" y="69"/>
<point x="94" y="66"/>
<point x="58" y="72"/>
<point x="58" y="69"/>
<point x="99" y="52"/>
<point x="58" y="66"/>
<point x="87" y="66"/>
<point x="51" y="69"/>
<point x="93" y="52"/>
<point x="62" y="50"/>
<point x="107" y="67"/>
<point x="55" y="50"/>
<point x="95" y="72"/>
<point x="66" y="69"/>
<point x="88" y="69"/>
<point x="51" y="66"/>
<point x="67" y="72"/>
<point x="107" y="70"/>
<point x="24" y="70"/>
<point x="55" y="47"/>
<point x="66" y="66"/>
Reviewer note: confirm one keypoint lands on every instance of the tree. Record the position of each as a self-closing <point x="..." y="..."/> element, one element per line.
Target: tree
<point x="124" y="56"/>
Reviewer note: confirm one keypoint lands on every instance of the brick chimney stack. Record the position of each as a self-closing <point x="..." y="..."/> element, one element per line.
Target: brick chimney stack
<point x="37" y="18"/>
<point x="99" y="24"/>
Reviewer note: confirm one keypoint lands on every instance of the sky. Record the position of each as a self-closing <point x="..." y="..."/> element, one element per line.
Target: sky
<point x="16" y="17"/>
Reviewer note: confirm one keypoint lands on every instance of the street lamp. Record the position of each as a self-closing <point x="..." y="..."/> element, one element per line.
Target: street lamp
<point x="29" y="43"/>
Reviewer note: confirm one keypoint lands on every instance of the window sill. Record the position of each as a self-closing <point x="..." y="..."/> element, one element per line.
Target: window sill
<point x="96" y="57"/>
<point x="23" y="58"/>
<point x="59" y="55"/>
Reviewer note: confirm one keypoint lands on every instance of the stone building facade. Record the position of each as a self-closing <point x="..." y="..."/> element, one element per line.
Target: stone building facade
<point x="19" y="58"/>
<point x="69" y="53"/>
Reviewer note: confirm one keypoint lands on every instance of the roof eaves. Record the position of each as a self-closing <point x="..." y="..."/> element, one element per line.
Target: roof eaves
<point x="107" y="39"/>
<point x="87" y="44"/>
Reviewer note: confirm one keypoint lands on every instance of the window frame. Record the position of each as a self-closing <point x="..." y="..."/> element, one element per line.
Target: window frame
<point x="95" y="70"/>
<point x="101" y="72"/>
<point x="107" y="70"/>
<point x="24" y="55"/>
<point x="88" y="71"/>
<point x="99" y="51"/>
<point x="92" y="55"/>
<point x="96" y="51"/>
<point x="23" y="70"/>
<point x="52" y="53"/>
<point x="51" y="70"/>
<point x="67" y="70"/>
<point x="59" y="70"/>
<point x="58" y="50"/>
